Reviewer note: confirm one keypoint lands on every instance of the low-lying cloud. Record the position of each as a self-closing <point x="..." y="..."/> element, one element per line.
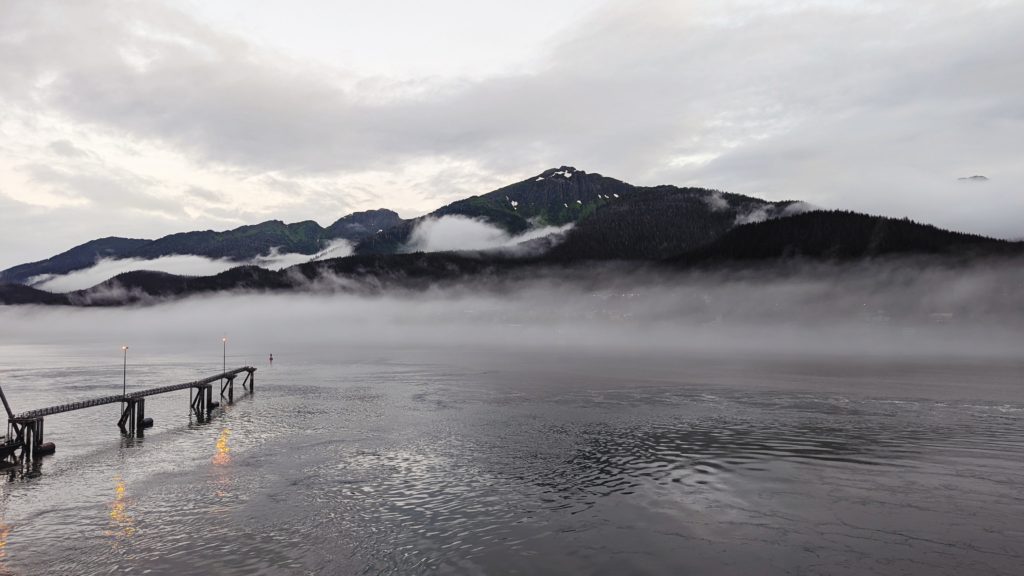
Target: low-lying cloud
<point x="277" y="260"/>
<point x="717" y="202"/>
<point x="107" y="268"/>
<point x="179" y="264"/>
<point x="451" y="233"/>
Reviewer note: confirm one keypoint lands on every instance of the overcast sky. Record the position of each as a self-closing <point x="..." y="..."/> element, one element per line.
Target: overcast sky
<point x="142" y="119"/>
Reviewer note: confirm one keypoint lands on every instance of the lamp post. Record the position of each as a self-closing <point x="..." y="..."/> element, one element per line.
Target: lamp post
<point x="124" y="375"/>
<point x="225" y="366"/>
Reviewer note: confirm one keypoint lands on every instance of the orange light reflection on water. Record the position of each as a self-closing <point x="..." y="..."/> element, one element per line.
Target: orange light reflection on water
<point x="124" y="524"/>
<point x="223" y="455"/>
<point x="5" y="532"/>
<point x="221" y="459"/>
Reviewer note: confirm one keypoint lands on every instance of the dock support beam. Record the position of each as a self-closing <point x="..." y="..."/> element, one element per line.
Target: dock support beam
<point x="132" y="417"/>
<point x="27" y="433"/>
<point x="229" y="387"/>
<point x="140" y="415"/>
<point x="197" y="402"/>
<point x="249" y="383"/>
<point x="202" y="402"/>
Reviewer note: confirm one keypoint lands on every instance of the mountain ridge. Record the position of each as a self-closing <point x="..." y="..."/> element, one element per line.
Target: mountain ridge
<point x="781" y="244"/>
<point x="239" y="244"/>
<point x="609" y="220"/>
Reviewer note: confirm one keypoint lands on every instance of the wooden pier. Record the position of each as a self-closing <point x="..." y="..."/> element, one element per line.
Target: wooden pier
<point x="25" y="430"/>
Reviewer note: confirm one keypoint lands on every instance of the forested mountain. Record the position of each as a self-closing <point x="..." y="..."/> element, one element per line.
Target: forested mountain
<point x="247" y="242"/>
<point x="614" y="220"/>
<point x="655" y="223"/>
<point x="666" y="227"/>
<point x="834" y="237"/>
<point x="359" y="225"/>
<point x="21" y="294"/>
<point x="240" y="244"/>
<point x="840" y="235"/>
<point x="554" y="197"/>
<point x="77" y="258"/>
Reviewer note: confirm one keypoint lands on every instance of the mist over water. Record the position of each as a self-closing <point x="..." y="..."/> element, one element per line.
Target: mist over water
<point x="889" y="308"/>
<point x="824" y="421"/>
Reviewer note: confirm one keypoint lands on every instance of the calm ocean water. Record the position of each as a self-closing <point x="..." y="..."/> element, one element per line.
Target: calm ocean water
<point x="478" y="460"/>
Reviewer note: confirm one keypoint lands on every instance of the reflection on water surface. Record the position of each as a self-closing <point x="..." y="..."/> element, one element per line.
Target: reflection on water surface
<point x="536" y="466"/>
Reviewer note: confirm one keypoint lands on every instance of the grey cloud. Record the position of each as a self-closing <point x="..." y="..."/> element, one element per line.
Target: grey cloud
<point x="34" y="233"/>
<point x="22" y="232"/>
<point x="104" y="188"/>
<point x="867" y="105"/>
<point x="208" y="196"/>
<point x="67" y="149"/>
<point x="620" y="80"/>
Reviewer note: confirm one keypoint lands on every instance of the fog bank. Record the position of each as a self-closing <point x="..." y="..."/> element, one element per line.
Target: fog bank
<point x="878" y="309"/>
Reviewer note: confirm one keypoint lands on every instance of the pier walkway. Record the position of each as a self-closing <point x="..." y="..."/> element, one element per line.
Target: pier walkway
<point x="25" y="430"/>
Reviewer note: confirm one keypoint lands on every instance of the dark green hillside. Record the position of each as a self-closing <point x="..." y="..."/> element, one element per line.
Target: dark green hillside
<point x="842" y="236"/>
<point x="241" y="243"/>
<point x="247" y="242"/>
<point x="21" y="294"/>
<point x="76" y="258"/>
<point x="655" y="223"/>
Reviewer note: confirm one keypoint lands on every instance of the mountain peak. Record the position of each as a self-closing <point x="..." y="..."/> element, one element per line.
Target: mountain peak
<point x="359" y="225"/>
<point x="560" y="172"/>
